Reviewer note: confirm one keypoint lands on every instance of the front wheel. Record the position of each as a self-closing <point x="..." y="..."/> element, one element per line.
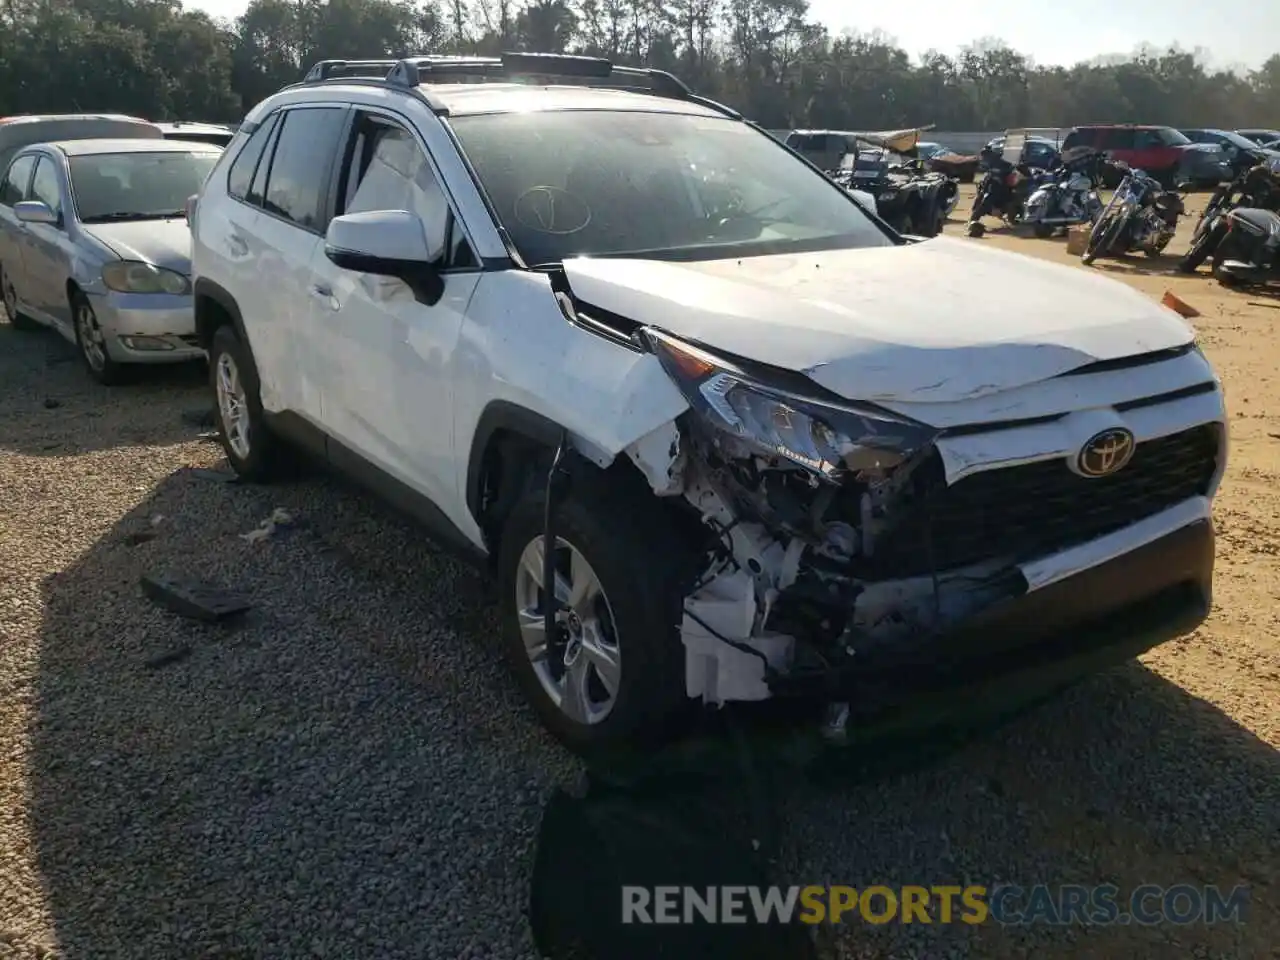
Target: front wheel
<point x="612" y="674"/>
<point x="1101" y="237"/>
<point x="92" y="342"/>
<point x="253" y="451"/>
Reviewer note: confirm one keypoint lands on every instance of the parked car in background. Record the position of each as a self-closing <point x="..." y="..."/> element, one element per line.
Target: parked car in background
<point x="719" y="435"/>
<point x="963" y="167"/>
<point x="1160" y="151"/>
<point x="21" y="131"/>
<point x="1257" y="135"/>
<point x="825" y="149"/>
<point x="1039" y="152"/>
<point x="93" y="243"/>
<point x="1241" y="152"/>
<point x="214" y="133"/>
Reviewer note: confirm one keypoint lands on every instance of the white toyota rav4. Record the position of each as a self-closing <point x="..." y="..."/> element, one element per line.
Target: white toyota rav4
<point x="778" y="448"/>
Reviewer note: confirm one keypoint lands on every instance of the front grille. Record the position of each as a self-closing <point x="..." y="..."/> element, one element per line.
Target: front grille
<point x="1037" y="509"/>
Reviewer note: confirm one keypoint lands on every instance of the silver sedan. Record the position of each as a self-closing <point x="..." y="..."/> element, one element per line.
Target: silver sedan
<point x="94" y="243"/>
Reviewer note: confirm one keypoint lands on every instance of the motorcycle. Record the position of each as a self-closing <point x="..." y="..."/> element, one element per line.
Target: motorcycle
<point x="1257" y="188"/>
<point x="1003" y="190"/>
<point x="1069" y="197"/>
<point x="1142" y="215"/>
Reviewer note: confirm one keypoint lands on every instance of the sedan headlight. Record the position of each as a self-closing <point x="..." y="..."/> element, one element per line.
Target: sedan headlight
<point x="134" y="276"/>
<point x="826" y="437"/>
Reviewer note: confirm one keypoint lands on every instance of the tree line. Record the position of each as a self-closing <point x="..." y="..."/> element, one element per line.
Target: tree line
<point x="767" y="58"/>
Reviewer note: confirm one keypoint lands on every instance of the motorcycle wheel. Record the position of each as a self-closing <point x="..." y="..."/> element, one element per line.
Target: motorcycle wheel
<point x="1043" y="230"/>
<point x="976" y="229"/>
<point x="1201" y="246"/>
<point x="1101" y="238"/>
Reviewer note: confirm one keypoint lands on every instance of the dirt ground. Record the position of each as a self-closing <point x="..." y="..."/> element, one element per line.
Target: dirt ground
<point x="351" y="773"/>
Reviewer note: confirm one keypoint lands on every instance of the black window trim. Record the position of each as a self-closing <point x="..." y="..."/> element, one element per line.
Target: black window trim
<point x="22" y="154"/>
<point x="326" y="176"/>
<point x="269" y="122"/>
<point x="401" y="120"/>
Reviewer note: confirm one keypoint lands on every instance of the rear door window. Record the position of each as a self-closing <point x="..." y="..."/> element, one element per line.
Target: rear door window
<point x="297" y="183"/>
<point x="14" y="188"/>
<point x="246" y="163"/>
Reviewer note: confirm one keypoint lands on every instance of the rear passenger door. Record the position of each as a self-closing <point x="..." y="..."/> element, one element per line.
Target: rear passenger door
<point x="289" y="192"/>
<point x="13" y="235"/>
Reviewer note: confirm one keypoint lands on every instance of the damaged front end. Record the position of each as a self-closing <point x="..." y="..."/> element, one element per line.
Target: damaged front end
<point x="812" y="500"/>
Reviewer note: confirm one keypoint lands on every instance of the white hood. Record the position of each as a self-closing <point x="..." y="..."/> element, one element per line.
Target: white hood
<point x="938" y="321"/>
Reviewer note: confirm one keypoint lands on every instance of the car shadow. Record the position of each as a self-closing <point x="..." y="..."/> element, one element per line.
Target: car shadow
<point x="49" y="405"/>
<point x="349" y="771"/>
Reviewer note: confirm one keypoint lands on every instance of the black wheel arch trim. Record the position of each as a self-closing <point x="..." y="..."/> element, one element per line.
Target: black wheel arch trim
<point x="502" y="416"/>
<point x="206" y="289"/>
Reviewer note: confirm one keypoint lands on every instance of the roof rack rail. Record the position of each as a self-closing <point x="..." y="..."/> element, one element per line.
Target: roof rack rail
<point x="412" y="72"/>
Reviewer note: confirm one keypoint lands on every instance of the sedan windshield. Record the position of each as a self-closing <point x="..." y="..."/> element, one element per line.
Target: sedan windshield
<point x="136" y="186"/>
<point x="659" y="185"/>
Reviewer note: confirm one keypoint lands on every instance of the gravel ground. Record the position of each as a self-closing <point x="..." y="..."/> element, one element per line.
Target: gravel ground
<point x="348" y="774"/>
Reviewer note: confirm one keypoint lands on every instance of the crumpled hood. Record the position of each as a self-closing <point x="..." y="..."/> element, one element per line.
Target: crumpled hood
<point x="938" y="321"/>
<point x="165" y="243"/>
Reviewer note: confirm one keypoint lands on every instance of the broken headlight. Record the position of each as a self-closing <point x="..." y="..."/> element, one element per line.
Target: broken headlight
<point x="825" y="437"/>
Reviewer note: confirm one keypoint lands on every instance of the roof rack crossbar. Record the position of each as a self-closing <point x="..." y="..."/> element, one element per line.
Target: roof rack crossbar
<point x="327" y="69"/>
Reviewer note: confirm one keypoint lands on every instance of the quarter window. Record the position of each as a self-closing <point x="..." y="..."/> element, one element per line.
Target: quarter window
<point x="300" y="165"/>
<point x="46" y="187"/>
<point x="14" y="188"/>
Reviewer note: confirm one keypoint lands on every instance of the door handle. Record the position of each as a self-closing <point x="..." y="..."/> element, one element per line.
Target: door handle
<point x="321" y="290"/>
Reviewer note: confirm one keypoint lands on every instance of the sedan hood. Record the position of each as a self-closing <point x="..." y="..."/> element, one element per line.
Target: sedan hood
<point x="939" y="321"/>
<point x="165" y="243"/>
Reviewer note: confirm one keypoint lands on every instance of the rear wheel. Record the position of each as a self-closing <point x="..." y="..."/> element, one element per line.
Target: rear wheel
<point x="1202" y="245"/>
<point x="17" y="319"/>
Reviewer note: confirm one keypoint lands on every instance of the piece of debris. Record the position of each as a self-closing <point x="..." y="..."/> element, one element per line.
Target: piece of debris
<point x="1078" y="238"/>
<point x="137" y="537"/>
<point x="1269" y="306"/>
<point x="1178" y="305"/>
<point x="169" y="657"/>
<point x="193" y="599"/>
<point x="222" y="476"/>
<point x="199" y="417"/>
<point x="51" y="404"/>
<point x="210" y="436"/>
<point x="279" y="518"/>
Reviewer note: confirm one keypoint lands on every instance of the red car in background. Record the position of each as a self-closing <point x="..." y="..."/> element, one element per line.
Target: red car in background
<point x="1162" y="152"/>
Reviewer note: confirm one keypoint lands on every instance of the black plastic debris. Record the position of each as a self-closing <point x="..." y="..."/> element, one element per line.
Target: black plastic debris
<point x="168" y="657"/>
<point x="193" y="599"/>
<point x="138" y="537"/>
<point x="51" y="404"/>
<point x="209" y="436"/>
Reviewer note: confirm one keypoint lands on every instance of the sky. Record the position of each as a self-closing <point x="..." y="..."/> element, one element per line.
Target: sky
<point x="1238" y="34"/>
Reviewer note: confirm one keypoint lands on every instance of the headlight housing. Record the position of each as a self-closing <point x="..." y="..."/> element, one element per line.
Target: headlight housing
<point x="135" y="276"/>
<point x="826" y="438"/>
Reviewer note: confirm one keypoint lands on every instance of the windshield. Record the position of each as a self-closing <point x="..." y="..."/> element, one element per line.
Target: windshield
<point x="136" y="186"/>
<point x="1243" y="143"/>
<point x="660" y="185"/>
<point x="1171" y="138"/>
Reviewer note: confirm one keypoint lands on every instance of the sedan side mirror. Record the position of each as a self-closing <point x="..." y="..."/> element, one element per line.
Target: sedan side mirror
<point x="387" y="243"/>
<point x="34" y="211"/>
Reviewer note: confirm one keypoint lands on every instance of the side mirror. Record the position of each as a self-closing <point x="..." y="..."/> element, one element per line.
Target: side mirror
<point x="34" y="211"/>
<point x="387" y="243"/>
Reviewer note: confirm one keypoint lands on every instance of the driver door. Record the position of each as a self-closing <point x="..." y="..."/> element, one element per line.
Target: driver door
<point x="388" y="359"/>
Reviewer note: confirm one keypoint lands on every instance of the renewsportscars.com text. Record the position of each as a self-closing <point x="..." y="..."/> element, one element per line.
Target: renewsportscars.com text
<point x="1006" y="904"/>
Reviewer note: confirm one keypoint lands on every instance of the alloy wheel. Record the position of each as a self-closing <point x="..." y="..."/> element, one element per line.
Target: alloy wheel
<point x="233" y="405"/>
<point x="92" y="342"/>
<point x="580" y="666"/>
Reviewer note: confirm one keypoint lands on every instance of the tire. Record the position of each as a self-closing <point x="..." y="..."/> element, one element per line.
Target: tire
<point x="1101" y="238"/>
<point x="17" y="319"/>
<point x="92" y="344"/>
<point x="1200" y="250"/>
<point x="631" y="544"/>
<point x="255" y="453"/>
